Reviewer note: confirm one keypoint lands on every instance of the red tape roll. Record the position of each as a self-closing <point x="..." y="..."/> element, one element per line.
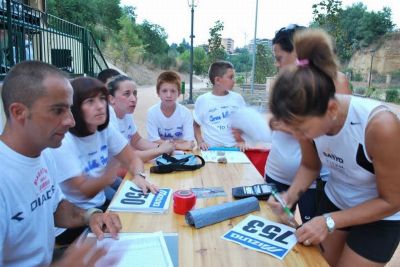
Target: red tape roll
<point x="184" y="200"/>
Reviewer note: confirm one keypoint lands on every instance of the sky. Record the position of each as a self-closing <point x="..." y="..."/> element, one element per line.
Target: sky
<point x="238" y="16"/>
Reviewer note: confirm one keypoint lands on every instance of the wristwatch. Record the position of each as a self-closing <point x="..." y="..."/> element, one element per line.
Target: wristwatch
<point x="141" y="173"/>
<point x="330" y="223"/>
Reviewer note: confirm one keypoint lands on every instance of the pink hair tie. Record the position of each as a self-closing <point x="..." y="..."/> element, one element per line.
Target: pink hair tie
<point x="302" y="62"/>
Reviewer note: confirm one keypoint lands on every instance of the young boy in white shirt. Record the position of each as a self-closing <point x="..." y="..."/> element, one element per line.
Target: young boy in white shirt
<point x="212" y="110"/>
<point x="168" y="120"/>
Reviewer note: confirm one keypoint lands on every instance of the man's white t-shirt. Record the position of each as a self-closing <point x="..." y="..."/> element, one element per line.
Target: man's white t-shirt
<point x="29" y="196"/>
<point x="212" y="113"/>
<point x="179" y="126"/>
<point x="1" y="123"/>
<point x="126" y="125"/>
<point x="87" y="155"/>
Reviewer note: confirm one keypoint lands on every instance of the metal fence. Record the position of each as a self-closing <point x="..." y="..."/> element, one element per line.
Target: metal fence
<point x="30" y="34"/>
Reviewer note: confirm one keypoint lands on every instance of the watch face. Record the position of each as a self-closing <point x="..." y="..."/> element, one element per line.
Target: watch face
<point x="330" y="223"/>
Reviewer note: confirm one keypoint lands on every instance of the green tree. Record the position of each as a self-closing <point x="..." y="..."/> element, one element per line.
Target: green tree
<point x="126" y="46"/>
<point x="87" y="13"/>
<point x="352" y="28"/>
<point x="107" y="13"/>
<point x="373" y="25"/>
<point x="216" y="50"/>
<point x="327" y="15"/>
<point x="99" y="16"/>
<point x="183" y="46"/>
<point x="80" y="12"/>
<point x="130" y="12"/>
<point x="154" y="38"/>
<point x="241" y="59"/>
<point x="264" y="64"/>
<point x="200" y="61"/>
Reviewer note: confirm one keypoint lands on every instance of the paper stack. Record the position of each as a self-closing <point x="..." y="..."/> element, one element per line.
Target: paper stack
<point x="135" y="250"/>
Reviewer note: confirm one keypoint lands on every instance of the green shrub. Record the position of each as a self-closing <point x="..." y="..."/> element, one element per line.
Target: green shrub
<point x="240" y="80"/>
<point x="359" y="90"/>
<point x="357" y="77"/>
<point x="395" y="77"/>
<point x="392" y="95"/>
<point x="370" y="91"/>
<point x="184" y="67"/>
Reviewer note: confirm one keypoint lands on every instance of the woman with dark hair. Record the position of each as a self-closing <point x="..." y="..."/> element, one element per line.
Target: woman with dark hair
<point x="285" y="155"/>
<point x="89" y="156"/>
<point x="358" y="140"/>
<point x="123" y="99"/>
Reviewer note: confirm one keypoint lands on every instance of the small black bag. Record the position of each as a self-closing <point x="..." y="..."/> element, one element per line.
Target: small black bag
<point x="187" y="162"/>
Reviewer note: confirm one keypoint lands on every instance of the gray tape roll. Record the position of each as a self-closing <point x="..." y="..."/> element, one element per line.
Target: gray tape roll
<point x="214" y="214"/>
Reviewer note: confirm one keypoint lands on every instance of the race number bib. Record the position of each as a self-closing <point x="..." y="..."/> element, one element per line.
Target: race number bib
<point x="131" y="198"/>
<point x="263" y="235"/>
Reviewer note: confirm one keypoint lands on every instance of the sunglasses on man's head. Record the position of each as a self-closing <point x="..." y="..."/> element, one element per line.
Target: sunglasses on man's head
<point x="290" y="28"/>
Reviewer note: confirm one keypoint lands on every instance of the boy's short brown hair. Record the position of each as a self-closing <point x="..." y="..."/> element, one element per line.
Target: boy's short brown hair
<point x="169" y="77"/>
<point x="218" y="69"/>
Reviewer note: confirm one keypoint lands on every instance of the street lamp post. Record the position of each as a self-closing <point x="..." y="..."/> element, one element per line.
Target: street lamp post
<point x="370" y="67"/>
<point x="253" y="68"/>
<point x="192" y="5"/>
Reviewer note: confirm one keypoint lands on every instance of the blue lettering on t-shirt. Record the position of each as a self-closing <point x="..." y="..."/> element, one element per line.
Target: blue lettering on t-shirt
<point x="93" y="164"/>
<point x="166" y="136"/>
<point x="178" y="134"/>
<point x="39" y="201"/>
<point x="225" y="114"/>
<point x="214" y="118"/>
<point x="103" y="160"/>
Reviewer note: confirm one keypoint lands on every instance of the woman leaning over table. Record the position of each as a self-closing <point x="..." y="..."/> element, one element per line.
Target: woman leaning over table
<point x="285" y="155"/>
<point x="358" y="140"/>
<point x="91" y="151"/>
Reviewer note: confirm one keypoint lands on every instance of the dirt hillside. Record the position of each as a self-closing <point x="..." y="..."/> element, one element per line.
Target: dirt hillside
<point x="147" y="75"/>
<point x="386" y="58"/>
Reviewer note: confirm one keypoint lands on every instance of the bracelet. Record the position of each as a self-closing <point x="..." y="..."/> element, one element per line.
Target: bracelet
<point x="89" y="213"/>
<point x="141" y="174"/>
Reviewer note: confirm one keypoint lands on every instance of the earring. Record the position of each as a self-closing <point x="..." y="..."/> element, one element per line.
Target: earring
<point x="334" y="118"/>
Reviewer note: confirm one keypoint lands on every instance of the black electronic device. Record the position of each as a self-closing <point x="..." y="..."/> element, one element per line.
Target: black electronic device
<point x="260" y="191"/>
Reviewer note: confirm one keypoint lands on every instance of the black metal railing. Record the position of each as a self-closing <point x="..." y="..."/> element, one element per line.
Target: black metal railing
<point x="30" y="34"/>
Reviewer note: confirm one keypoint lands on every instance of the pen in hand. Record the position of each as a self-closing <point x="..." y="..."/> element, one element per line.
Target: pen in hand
<point x="289" y="213"/>
<point x="285" y="208"/>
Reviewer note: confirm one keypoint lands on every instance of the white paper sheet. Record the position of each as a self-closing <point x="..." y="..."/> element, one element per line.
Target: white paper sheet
<point x="135" y="250"/>
<point x="230" y="156"/>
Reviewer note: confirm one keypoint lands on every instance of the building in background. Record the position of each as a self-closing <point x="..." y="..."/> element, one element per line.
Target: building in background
<point x="266" y="42"/>
<point x="228" y="44"/>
